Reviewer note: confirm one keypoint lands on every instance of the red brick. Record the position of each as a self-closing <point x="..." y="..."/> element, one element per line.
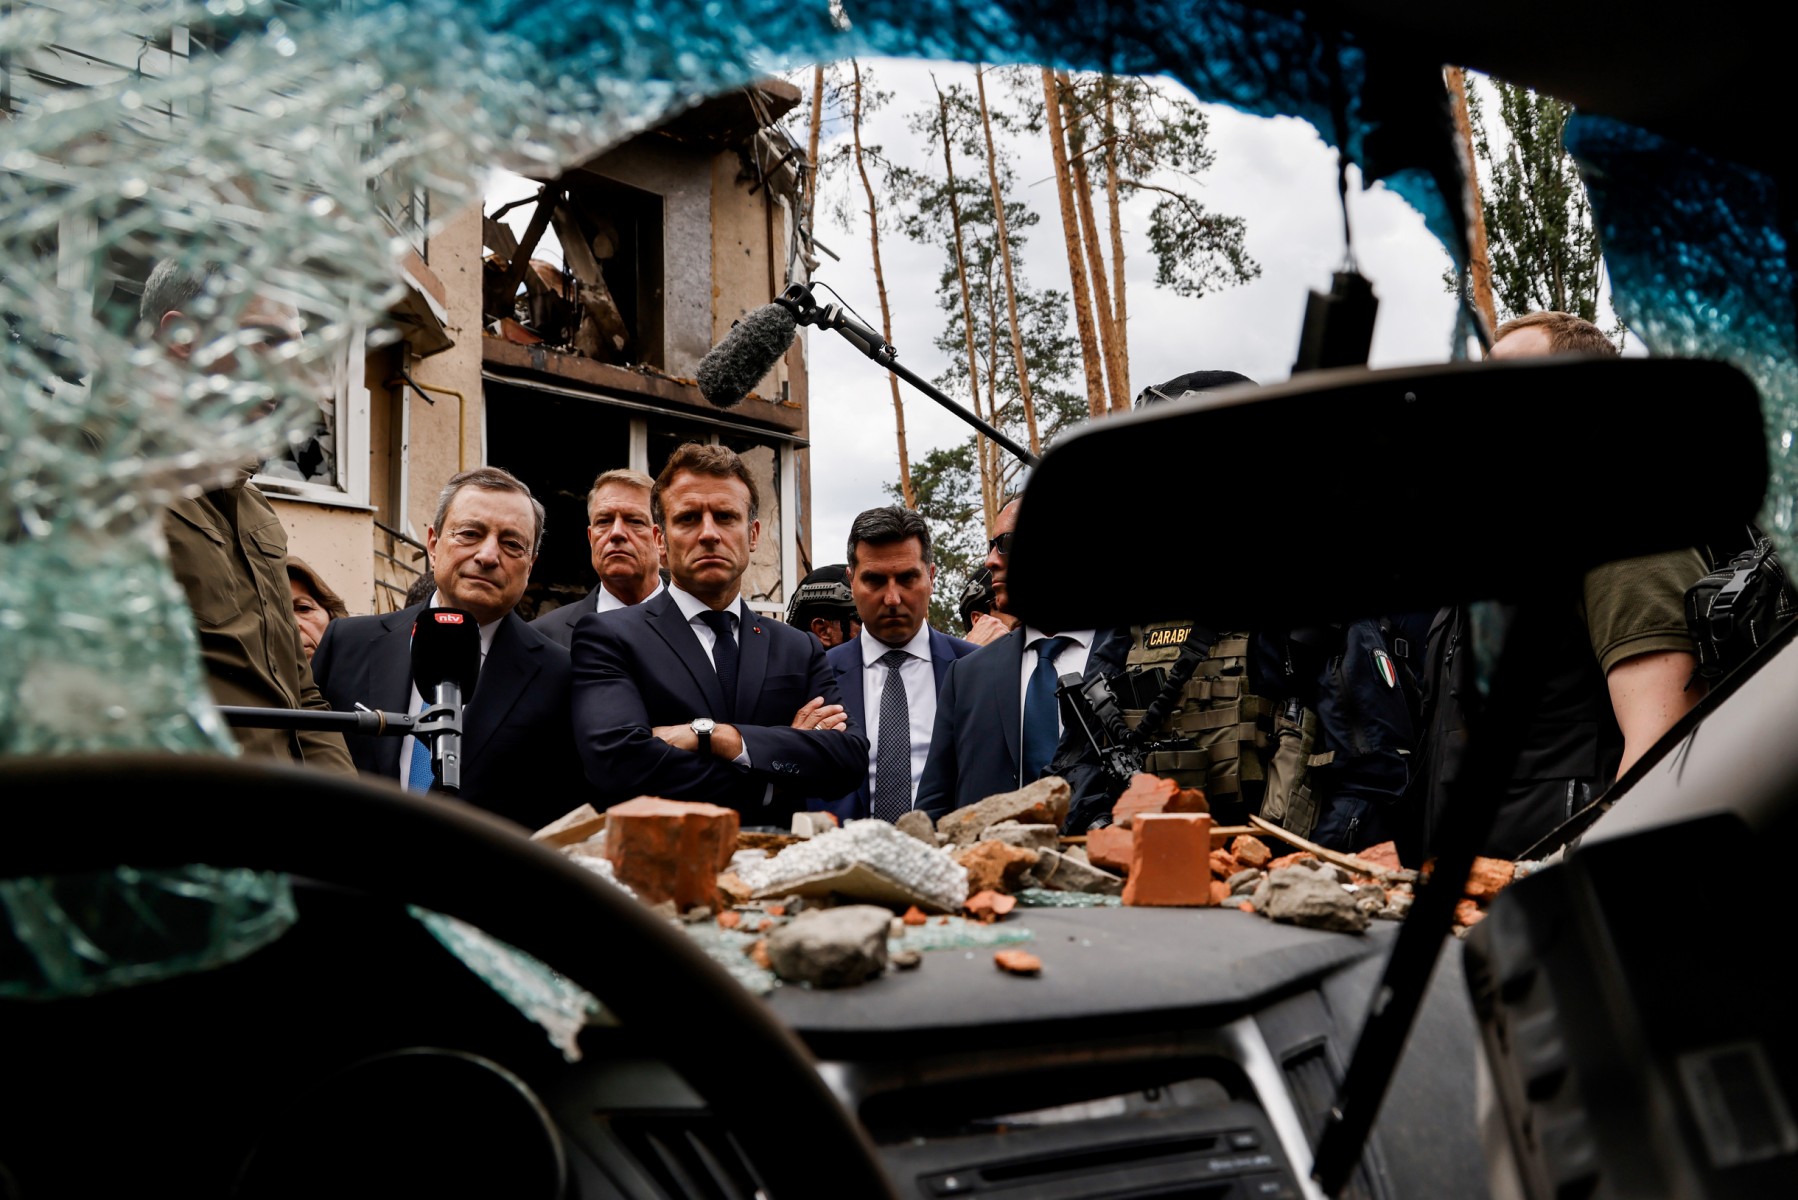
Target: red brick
<point x="995" y="866"/>
<point x="1489" y="877"/>
<point x="1468" y="913"/>
<point x="987" y="907"/>
<point x="1171" y="865"/>
<point x="671" y="850"/>
<point x="1017" y="962"/>
<point x="1251" y="851"/>
<point x="1383" y="855"/>
<point x="730" y="918"/>
<point x="914" y="916"/>
<point x="1220" y="892"/>
<point x="758" y="954"/>
<point x="1224" y="864"/>
<point x="1152" y="794"/>
<point x="1290" y="860"/>
<point x="1246" y="907"/>
<point x="1109" y="849"/>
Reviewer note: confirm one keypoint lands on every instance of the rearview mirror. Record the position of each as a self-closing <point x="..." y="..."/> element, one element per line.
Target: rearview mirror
<point x="1352" y="493"/>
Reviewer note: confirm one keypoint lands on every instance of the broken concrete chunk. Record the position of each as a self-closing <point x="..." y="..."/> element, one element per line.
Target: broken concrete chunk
<point x="1024" y="837"/>
<point x="732" y="889"/>
<point x="833" y="947"/>
<point x="697" y="915"/>
<point x="918" y="824"/>
<point x="811" y="824"/>
<point x="576" y="826"/>
<point x="1251" y="851"/>
<point x="995" y="866"/>
<point x="1307" y="898"/>
<point x="866" y="859"/>
<point x="1017" y="962"/>
<point x="1243" y="881"/>
<point x="905" y="960"/>
<point x="1110" y="848"/>
<point x="1064" y="873"/>
<point x="1044" y="802"/>
<point x="1152" y="794"/>
<point x="671" y="850"/>
<point x="1077" y="853"/>
<point x="1171" y="863"/>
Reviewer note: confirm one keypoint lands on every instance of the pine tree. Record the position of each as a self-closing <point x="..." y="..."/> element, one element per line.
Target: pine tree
<point x="1540" y="237"/>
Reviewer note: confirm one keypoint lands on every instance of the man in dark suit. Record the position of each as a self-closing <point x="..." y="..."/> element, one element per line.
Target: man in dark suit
<point x="692" y="695"/>
<point x="891" y="672"/>
<point x="627" y="553"/>
<point x="518" y="756"/>
<point x="997" y="718"/>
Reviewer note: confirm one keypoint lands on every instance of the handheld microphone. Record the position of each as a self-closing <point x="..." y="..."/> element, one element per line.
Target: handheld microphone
<point x="731" y="369"/>
<point x="446" y="660"/>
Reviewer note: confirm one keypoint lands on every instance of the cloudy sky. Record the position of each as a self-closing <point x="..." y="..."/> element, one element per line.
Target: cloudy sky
<point x="1276" y="174"/>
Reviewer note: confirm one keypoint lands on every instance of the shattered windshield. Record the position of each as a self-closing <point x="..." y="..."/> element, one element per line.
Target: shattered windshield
<point x="291" y="153"/>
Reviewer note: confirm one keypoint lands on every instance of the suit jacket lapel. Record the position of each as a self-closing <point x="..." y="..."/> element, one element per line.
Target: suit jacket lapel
<point x="849" y="687"/>
<point x="666" y="619"/>
<point x="940" y="657"/>
<point x="752" y="660"/>
<point x="389" y="667"/>
<point x="510" y="667"/>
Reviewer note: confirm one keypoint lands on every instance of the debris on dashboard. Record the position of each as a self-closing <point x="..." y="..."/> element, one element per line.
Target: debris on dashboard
<point x="811" y="824"/>
<point x="1153" y="794"/>
<point x="988" y="906"/>
<point x="1109" y="848"/>
<point x="864" y="860"/>
<point x="1055" y="871"/>
<point x="1018" y="962"/>
<point x="832" y="947"/>
<point x="572" y="827"/>
<point x="914" y="916"/>
<point x="671" y="849"/>
<point x="1025" y="836"/>
<point x="995" y="866"/>
<point x="1314" y="898"/>
<point x="1044" y="802"/>
<point x="1044" y="898"/>
<point x="1170" y="860"/>
<point x="917" y="823"/>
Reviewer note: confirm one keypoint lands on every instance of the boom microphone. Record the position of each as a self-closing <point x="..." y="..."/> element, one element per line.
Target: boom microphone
<point x="446" y="661"/>
<point x="732" y="368"/>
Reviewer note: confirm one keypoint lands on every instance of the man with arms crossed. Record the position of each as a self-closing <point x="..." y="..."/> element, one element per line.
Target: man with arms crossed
<point x="694" y="696"/>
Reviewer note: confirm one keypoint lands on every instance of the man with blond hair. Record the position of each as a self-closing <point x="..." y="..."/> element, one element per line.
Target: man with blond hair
<point x="627" y="552"/>
<point x="695" y="696"/>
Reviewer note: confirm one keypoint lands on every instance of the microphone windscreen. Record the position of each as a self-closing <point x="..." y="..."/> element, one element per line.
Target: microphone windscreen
<point x="446" y="648"/>
<point x="749" y="351"/>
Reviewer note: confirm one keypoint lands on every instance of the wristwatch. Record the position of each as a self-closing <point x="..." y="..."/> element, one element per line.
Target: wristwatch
<point x="702" y="729"/>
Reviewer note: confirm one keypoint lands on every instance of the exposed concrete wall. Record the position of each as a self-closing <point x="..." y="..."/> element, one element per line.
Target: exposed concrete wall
<point x="446" y="435"/>
<point x="335" y="543"/>
<point x="683" y="178"/>
<point x="747" y="266"/>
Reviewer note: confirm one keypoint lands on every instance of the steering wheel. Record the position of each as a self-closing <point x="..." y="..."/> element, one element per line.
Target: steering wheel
<point x="70" y="815"/>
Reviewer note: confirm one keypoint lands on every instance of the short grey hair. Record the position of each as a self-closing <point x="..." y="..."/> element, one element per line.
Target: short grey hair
<point x="172" y="287"/>
<point x="488" y="479"/>
<point x="623" y="476"/>
<point x="887" y="525"/>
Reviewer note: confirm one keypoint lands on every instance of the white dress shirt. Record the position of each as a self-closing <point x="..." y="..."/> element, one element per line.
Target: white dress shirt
<point x="607" y="602"/>
<point x="1072" y="659"/>
<point x="487" y="632"/>
<point x="690" y="607"/>
<point x="919" y="677"/>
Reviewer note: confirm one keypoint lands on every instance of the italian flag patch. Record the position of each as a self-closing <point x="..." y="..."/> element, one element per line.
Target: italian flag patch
<point x="1382" y="662"/>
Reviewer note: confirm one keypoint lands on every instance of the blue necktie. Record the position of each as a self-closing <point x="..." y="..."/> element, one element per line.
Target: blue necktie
<point x="1042" y="725"/>
<point x="724" y="658"/>
<point x="420" y="777"/>
<point x="892" y="753"/>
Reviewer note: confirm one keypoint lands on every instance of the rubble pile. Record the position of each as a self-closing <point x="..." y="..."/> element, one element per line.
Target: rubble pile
<point x="830" y="860"/>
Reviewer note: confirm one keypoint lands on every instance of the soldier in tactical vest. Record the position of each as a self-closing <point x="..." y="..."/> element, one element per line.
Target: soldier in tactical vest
<point x="1311" y="729"/>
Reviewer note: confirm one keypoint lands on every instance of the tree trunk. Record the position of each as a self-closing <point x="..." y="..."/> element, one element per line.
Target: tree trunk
<point x="1091" y="352"/>
<point x="811" y="151"/>
<point x="1121" y="363"/>
<point x="967" y="304"/>
<point x="1095" y="255"/>
<point x="906" y="491"/>
<point x="1479" y="262"/>
<point x="1011" y="291"/>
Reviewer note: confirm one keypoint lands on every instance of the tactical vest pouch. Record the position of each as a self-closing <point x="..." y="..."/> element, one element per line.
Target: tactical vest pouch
<point x="1289" y="801"/>
<point x="1731" y="612"/>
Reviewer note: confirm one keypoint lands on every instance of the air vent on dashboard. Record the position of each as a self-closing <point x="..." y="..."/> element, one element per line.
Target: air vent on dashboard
<point x="688" y="1156"/>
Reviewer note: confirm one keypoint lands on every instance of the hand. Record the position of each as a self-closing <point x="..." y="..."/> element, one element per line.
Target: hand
<point x="816" y="714"/>
<point x="681" y="737"/>
<point x="987" y="629"/>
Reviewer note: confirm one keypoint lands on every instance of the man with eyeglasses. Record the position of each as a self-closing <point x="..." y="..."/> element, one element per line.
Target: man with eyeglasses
<point x="998" y="721"/>
<point x="518" y="752"/>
